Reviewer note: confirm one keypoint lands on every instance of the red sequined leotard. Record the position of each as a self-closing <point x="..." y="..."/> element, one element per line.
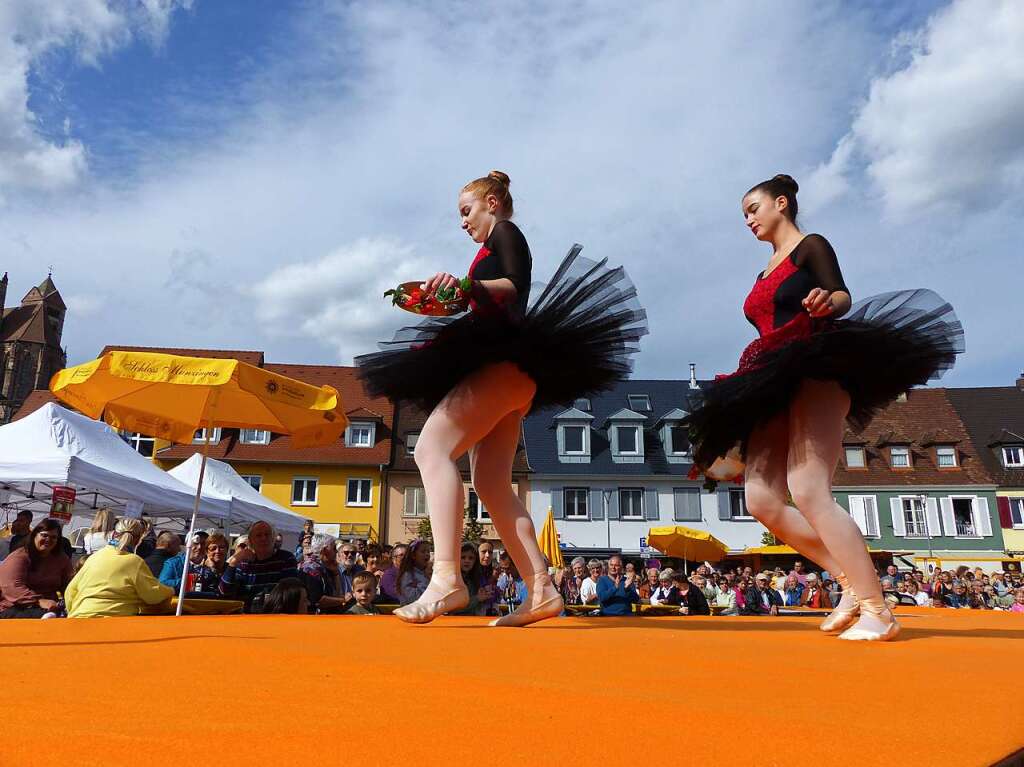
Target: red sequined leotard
<point x="775" y="304"/>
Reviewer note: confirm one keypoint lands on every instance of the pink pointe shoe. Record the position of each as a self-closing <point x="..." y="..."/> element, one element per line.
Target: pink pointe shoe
<point x="876" y="624"/>
<point x="528" y="612"/>
<point x="445" y="582"/>
<point x="846" y="612"/>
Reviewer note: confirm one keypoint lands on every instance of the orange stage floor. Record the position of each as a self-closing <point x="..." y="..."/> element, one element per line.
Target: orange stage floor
<point x="258" y="690"/>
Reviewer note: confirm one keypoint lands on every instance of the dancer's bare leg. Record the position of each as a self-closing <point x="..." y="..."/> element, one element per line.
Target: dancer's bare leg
<point x="817" y="418"/>
<point x="465" y="416"/>
<point x="491" y="461"/>
<point x="766" y="490"/>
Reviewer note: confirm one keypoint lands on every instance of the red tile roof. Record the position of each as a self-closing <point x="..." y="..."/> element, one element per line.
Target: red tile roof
<point x="250" y="357"/>
<point x="35" y="400"/>
<point x="993" y="415"/>
<point x="925" y="420"/>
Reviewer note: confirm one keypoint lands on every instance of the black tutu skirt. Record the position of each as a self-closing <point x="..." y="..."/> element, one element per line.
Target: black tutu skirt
<point x="577" y="337"/>
<point x="882" y="347"/>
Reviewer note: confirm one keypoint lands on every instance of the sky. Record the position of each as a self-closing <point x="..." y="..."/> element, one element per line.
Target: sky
<point x="254" y="174"/>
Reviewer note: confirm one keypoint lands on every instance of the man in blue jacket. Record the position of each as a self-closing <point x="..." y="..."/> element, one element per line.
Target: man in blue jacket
<point x="616" y="592"/>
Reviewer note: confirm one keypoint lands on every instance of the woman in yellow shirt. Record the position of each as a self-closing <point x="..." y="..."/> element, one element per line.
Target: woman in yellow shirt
<point x="115" y="581"/>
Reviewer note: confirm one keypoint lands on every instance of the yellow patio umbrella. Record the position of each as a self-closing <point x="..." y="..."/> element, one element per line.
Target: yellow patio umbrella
<point x="169" y="397"/>
<point x="548" y="540"/>
<point x="687" y="543"/>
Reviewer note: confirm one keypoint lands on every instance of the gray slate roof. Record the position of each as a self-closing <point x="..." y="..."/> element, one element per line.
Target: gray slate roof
<point x="540" y="432"/>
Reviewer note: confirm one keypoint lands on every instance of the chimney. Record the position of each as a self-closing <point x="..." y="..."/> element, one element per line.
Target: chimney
<point x="693" y="376"/>
<point x="1020" y="381"/>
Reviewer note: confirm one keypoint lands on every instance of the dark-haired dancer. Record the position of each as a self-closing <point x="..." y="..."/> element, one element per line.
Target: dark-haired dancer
<point x="802" y="380"/>
<point x="478" y="375"/>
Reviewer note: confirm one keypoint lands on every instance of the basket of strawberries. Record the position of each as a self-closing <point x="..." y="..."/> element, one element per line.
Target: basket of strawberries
<point x="442" y="302"/>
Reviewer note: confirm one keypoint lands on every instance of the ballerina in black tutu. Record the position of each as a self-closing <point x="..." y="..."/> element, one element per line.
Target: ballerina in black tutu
<point x="480" y="373"/>
<point x="808" y="374"/>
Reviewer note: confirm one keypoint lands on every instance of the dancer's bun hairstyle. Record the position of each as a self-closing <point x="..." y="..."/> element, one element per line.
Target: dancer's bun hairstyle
<point x="781" y="185"/>
<point x="497" y="183"/>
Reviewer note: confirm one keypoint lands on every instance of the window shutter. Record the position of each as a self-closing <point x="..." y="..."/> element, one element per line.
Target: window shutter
<point x="948" y="517"/>
<point x="931" y="513"/>
<point x="724" y="507"/>
<point x="651" y="503"/>
<point x="1005" y="517"/>
<point x="613" y="505"/>
<point x="558" y="502"/>
<point x="596" y="504"/>
<point x="857" y="512"/>
<point x="982" y="519"/>
<point x="896" y="507"/>
<point x="877" y="529"/>
<point x="686" y="504"/>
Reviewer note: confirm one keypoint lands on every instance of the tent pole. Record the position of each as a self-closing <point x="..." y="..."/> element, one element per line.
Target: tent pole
<point x="195" y="511"/>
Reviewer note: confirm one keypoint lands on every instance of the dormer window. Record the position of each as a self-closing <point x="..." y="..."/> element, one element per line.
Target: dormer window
<point x="200" y="436"/>
<point x="855" y="458"/>
<point x="627" y="440"/>
<point x="360" y="434"/>
<point x="1013" y="456"/>
<point x="678" y="440"/>
<point x="573" y="435"/>
<point x="254" y="436"/>
<point x="899" y="456"/>
<point x="641" y="403"/>
<point x="945" y="457"/>
<point x="410" y="442"/>
<point x="574" y="440"/>
<point x="583" y="403"/>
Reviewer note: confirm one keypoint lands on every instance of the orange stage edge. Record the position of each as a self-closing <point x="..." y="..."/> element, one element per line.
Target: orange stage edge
<point x="370" y="690"/>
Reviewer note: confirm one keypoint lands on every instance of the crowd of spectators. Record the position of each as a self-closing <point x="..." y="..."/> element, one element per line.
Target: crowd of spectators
<point x="124" y="566"/>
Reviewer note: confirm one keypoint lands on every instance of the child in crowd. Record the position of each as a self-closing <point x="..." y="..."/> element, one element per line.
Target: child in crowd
<point x="288" y="596"/>
<point x="364" y="590"/>
<point x="1018" y="604"/>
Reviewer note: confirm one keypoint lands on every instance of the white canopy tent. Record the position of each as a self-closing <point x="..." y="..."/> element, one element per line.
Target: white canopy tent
<point x="55" y="446"/>
<point x="222" y="483"/>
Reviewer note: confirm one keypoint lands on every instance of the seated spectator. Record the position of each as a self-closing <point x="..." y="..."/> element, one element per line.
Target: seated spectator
<point x="511" y="586"/>
<point x="725" y="599"/>
<point x="288" y="595"/>
<point x="328" y="590"/>
<point x="630" y="570"/>
<point x="167" y="545"/>
<point x="278" y="541"/>
<point x="374" y="555"/>
<point x="999" y="585"/>
<point x="208" y="574"/>
<point x="364" y="590"/>
<point x="959" y="598"/>
<point x="616" y="591"/>
<point x="115" y="581"/>
<point x="651" y="582"/>
<point x="389" y="580"/>
<point x="759" y="599"/>
<point x="1018" y="601"/>
<point x="348" y="562"/>
<point x="414" y="572"/>
<point x="702" y="583"/>
<point x="664" y="590"/>
<point x="588" y="589"/>
<point x="488" y="594"/>
<point x="469" y="567"/>
<point x="253" y="570"/>
<point x="688" y="596"/>
<point x="792" y="591"/>
<point x="101" y="531"/>
<point x="572" y="581"/>
<point x="800" y="573"/>
<point x="815" y="594"/>
<point x="31" y="576"/>
<point x="20" y="529"/>
<point x="979" y="600"/>
<point x="171" y="572"/>
<point x="915" y="592"/>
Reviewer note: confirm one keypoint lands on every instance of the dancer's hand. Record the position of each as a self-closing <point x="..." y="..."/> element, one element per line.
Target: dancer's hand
<point x="439" y="281"/>
<point x="819" y="303"/>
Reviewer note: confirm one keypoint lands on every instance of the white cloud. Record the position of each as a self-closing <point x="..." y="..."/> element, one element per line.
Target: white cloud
<point x="29" y="29"/>
<point x="945" y="130"/>
<point x="337" y="299"/>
